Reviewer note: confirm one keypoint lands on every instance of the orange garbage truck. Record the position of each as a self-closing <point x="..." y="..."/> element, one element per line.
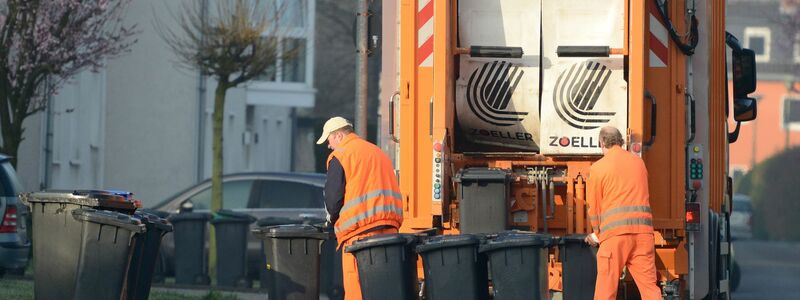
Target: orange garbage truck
<point x="522" y="88"/>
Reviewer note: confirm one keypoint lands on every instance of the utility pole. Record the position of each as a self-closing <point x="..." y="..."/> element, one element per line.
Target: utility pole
<point x="361" y="69"/>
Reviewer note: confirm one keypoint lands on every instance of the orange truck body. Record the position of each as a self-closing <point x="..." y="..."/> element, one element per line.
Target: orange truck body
<point x="435" y="145"/>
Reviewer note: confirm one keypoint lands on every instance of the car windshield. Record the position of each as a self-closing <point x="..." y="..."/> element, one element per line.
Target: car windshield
<point x="234" y="195"/>
<point x="288" y="194"/>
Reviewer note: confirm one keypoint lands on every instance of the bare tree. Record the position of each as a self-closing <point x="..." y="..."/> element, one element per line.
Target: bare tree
<point x="234" y="43"/>
<point x="43" y="43"/>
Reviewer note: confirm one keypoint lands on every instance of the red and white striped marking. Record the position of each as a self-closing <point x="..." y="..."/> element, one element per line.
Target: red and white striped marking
<point x="659" y="40"/>
<point x="425" y="33"/>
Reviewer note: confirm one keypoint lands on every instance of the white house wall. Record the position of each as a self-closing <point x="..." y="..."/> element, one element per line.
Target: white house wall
<point x="77" y="124"/>
<point x="152" y="109"/>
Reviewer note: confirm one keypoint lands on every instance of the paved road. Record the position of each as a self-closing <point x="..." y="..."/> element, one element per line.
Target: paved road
<point x="770" y="270"/>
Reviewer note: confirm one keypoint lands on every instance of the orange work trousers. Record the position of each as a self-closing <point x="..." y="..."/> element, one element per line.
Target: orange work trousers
<point x="352" y="288"/>
<point x="635" y="251"/>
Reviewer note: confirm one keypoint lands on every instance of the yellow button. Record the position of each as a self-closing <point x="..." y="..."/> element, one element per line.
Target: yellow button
<point x="696" y="149"/>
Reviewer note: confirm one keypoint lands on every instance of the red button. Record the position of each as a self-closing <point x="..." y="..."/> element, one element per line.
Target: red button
<point x="637" y="147"/>
<point x="697" y="184"/>
<point x="437" y="147"/>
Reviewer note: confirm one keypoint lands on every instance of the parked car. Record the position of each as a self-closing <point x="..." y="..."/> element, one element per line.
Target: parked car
<point x="740" y="222"/>
<point x="15" y="245"/>
<point x="294" y="196"/>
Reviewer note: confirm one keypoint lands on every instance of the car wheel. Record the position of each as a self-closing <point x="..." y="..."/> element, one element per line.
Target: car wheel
<point x="736" y="276"/>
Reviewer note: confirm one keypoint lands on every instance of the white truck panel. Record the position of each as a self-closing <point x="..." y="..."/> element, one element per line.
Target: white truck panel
<point x="497" y="100"/>
<point x="581" y="94"/>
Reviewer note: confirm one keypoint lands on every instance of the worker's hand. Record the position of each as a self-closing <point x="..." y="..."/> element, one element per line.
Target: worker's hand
<point x="592" y="240"/>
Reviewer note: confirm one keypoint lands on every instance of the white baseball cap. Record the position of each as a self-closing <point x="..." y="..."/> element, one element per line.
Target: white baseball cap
<point x="332" y="125"/>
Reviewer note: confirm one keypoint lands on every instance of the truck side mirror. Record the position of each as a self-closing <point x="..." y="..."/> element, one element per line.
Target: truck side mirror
<point x="744" y="73"/>
<point x="744" y="109"/>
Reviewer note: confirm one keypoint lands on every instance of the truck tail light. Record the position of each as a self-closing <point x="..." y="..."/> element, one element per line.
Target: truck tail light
<point x="9" y="223"/>
<point x="693" y="216"/>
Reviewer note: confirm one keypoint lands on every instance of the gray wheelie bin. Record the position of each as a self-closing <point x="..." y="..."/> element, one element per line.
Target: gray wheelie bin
<point x="57" y="235"/>
<point x="292" y="254"/>
<point x="518" y="263"/>
<point x="387" y="266"/>
<point x="579" y="264"/>
<point x="454" y="269"/>
<point x="191" y="265"/>
<point x="106" y="240"/>
<point x="231" y="230"/>
<point x="144" y="257"/>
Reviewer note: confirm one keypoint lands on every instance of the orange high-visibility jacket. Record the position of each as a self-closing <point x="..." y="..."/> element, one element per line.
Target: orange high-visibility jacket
<point x="372" y="196"/>
<point x="618" y="196"/>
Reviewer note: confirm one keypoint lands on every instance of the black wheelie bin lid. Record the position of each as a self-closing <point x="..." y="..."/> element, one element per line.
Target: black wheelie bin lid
<point x="109" y="218"/>
<point x="229" y="216"/>
<point x="481" y="175"/>
<point x="274" y="221"/>
<point x="160" y="213"/>
<point x="291" y="231"/>
<point x="572" y="239"/>
<point x="381" y="240"/>
<point x="157" y="221"/>
<point x="448" y="241"/>
<point x="511" y="239"/>
<point x="118" y="200"/>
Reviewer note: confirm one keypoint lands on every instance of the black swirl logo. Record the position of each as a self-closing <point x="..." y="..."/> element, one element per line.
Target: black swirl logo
<point x="577" y="91"/>
<point x="489" y="93"/>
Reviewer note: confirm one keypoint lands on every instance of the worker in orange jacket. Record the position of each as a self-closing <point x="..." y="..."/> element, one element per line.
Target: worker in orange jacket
<point x="622" y="221"/>
<point x="361" y="194"/>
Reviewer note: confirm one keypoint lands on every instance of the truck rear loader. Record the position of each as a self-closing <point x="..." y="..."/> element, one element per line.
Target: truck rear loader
<point x="515" y="92"/>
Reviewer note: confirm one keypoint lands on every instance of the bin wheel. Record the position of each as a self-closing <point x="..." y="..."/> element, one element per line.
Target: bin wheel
<point x="243" y="283"/>
<point x="16" y="271"/>
<point x="336" y="293"/>
<point x="202" y="279"/>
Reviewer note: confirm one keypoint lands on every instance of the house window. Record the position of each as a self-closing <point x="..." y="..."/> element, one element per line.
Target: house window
<point x="791" y="113"/>
<point x="291" y="39"/>
<point x="758" y="39"/>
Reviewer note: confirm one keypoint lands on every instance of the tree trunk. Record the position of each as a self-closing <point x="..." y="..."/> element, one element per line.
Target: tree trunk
<point x="11" y="128"/>
<point x="11" y="142"/>
<point x="216" y="168"/>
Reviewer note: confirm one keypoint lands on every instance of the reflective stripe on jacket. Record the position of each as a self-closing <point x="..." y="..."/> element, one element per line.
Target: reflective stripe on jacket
<point x="618" y="195"/>
<point x="372" y="196"/>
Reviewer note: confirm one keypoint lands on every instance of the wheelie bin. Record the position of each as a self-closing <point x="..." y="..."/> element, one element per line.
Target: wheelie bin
<point x="191" y="266"/>
<point x="266" y="222"/>
<point x="144" y="257"/>
<point x="292" y="255"/>
<point x="518" y="264"/>
<point x="105" y="248"/>
<point x="231" y="230"/>
<point x="454" y="269"/>
<point x="387" y="266"/>
<point x="159" y="271"/>
<point x="330" y="277"/>
<point x="579" y="266"/>
<point x="57" y="235"/>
